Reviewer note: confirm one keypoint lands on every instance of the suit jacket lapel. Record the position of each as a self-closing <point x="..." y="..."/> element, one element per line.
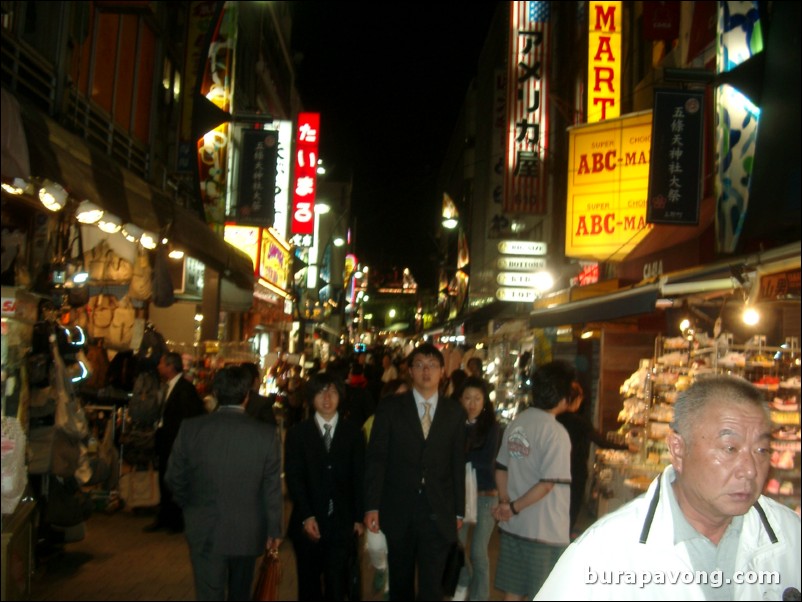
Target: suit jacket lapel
<point x="409" y="412"/>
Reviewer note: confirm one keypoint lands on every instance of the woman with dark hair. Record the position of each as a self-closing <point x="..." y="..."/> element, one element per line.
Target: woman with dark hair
<point x="324" y="468"/>
<point x="481" y="445"/>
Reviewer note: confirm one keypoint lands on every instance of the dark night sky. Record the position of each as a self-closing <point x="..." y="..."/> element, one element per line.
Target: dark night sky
<point x="389" y="84"/>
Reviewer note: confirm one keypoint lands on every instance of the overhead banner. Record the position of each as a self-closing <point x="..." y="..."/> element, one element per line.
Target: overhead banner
<point x="608" y="183"/>
<point x="257" y="177"/>
<point x="675" y="173"/>
<point x="527" y="118"/>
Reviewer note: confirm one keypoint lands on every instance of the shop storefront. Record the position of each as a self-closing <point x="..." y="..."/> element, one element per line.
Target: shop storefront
<point x="644" y="343"/>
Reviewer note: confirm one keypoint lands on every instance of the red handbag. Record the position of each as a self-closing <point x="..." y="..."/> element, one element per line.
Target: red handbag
<point x="269" y="577"/>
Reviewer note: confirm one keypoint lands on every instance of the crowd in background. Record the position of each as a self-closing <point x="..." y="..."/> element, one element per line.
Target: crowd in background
<point x="411" y="457"/>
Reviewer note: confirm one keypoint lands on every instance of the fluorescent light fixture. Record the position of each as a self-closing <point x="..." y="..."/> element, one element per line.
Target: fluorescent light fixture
<point x="110" y="223"/>
<point x="53" y="196"/>
<point x="132" y="232"/>
<point x="88" y="212"/>
<point x="176" y="254"/>
<point x="322" y="208"/>
<point x="148" y="240"/>
<point x="339" y="241"/>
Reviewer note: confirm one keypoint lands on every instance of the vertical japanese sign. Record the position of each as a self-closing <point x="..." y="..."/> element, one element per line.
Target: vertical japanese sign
<point x="257" y="177"/>
<point x="527" y="99"/>
<point x="604" y="61"/>
<point x="281" y="204"/>
<point x="675" y="172"/>
<point x="305" y="180"/>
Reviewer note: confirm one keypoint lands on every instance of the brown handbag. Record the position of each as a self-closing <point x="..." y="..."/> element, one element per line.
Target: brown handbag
<point x="269" y="576"/>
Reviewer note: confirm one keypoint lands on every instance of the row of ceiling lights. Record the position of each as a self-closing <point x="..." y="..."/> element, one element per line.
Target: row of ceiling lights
<point x="54" y="197"/>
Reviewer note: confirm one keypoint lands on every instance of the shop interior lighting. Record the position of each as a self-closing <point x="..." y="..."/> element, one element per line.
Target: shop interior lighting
<point x="88" y="212"/>
<point x="750" y="316"/>
<point x="53" y="196"/>
<point x="176" y="254"/>
<point x="132" y="232"/>
<point x="80" y="277"/>
<point x="16" y="187"/>
<point x="148" y="240"/>
<point x="110" y="224"/>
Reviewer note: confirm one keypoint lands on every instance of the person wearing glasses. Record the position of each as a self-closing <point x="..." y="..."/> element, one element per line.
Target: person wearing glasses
<point x="415" y="478"/>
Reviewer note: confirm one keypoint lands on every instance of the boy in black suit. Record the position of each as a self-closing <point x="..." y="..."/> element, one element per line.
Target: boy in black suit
<point x="323" y="470"/>
<point x="415" y="478"/>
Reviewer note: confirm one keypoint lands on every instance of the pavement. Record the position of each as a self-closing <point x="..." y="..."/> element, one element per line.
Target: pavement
<point x="117" y="561"/>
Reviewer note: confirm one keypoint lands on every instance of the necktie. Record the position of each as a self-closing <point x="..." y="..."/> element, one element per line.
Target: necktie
<point x="426" y="421"/>
<point x="327" y="443"/>
<point x="327" y="436"/>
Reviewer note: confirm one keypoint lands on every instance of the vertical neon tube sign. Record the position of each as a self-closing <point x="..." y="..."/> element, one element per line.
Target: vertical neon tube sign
<point x="305" y="180"/>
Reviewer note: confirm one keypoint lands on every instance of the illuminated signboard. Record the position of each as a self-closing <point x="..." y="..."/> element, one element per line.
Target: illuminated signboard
<point x="245" y="238"/>
<point x="527" y="98"/>
<point x="274" y="259"/>
<point x="604" y="60"/>
<point x="305" y="182"/>
<point x="269" y="254"/>
<point x="608" y="182"/>
<point x="283" y="165"/>
<point x="522" y="247"/>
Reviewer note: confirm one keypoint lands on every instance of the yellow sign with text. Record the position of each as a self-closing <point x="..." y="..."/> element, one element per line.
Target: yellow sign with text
<point x="608" y="182"/>
<point x="604" y="60"/>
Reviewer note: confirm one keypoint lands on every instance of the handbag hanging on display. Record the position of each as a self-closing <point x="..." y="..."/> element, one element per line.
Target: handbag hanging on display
<point x="141" y="286"/>
<point x="269" y="576"/>
<point x="122" y="323"/>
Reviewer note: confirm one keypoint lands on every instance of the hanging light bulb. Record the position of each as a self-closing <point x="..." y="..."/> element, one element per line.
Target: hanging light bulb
<point x="148" y="240"/>
<point x="53" y="196"/>
<point x="16" y="187"/>
<point x="751" y="316"/>
<point x="132" y="232"/>
<point x="110" y="223"/>
<point x="88" y="212"/>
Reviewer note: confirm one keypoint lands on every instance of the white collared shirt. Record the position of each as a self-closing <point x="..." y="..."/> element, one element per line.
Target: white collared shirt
<point x="419" y="401"/>
<point x="320" y="422"/>
<point x="171" y="385"/>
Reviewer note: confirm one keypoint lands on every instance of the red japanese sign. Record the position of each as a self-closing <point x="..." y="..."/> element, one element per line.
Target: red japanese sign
<point x="307" y="136"/>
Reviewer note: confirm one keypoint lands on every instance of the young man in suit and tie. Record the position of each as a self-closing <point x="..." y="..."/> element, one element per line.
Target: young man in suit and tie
<point x="415" y="478"/>
<point x="324" y="472"/>
<point x="225" y="472"/>
<point x="181" y="400"/>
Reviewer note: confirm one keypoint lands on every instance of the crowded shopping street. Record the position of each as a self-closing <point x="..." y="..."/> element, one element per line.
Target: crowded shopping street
<point x="488" y="301"/>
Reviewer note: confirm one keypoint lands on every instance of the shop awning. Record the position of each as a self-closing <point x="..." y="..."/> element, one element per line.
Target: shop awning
<point x="715" y="279"/>
<point x="87" y="173"/>
<point x="620" y="304"/>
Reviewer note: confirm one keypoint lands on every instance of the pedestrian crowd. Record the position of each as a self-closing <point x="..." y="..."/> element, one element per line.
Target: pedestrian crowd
<point x="412" y="463"/>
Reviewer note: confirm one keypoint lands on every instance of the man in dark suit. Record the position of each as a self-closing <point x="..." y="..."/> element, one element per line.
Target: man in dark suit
<point x="415" y="481"/>
<point x="225" y="472"/>
<point x="181" y="400"/>
<point x="324" y="472"/>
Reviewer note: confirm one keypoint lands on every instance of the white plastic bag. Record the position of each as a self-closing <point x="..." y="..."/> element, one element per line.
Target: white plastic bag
<point x="471" y="493"/>
<point x="15" y="477"/>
